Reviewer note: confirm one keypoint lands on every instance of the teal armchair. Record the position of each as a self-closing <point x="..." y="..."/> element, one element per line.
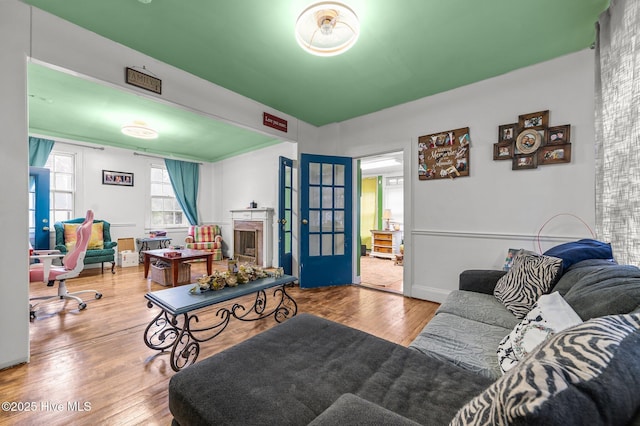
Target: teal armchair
<point x="99" y="251"/>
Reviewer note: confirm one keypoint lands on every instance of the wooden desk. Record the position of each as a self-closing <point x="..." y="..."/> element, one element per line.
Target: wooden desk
<point x="167" y="331"/>
<point x="186" y="256"/>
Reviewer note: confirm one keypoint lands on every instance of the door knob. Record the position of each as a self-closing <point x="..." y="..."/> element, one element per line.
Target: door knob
<point x="283" y="221"/>
<point x="305" y="221"/>
<point x="45" y="228"/>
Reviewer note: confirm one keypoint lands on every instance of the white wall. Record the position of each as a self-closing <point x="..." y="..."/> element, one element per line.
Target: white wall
<point x="126" y="208"/>
<point x="251" y="177"/>
<point x="470" y="222"/>
<point x="14" y="264"/>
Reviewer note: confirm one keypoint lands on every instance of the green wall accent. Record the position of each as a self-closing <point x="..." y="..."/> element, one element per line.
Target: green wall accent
<point x="379" y="203"/>
<point x="368" y="204"/>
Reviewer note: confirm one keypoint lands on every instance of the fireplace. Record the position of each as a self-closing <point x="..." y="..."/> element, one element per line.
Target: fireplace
<point x="252" y="237"/>
<point x="247" y="241"/>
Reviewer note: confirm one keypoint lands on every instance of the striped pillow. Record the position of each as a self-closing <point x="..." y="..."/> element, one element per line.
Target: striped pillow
<point x="585" y="375"/>
<point x="531" y="276"/>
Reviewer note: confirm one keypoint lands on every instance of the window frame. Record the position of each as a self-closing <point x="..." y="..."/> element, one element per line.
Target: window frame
<point x="166" y="183"/>
<point x="53" y="190"/>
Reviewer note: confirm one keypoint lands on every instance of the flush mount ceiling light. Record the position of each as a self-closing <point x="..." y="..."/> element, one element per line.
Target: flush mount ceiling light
<point x="139" y="129"/>
<point x="327" y="29"/>
<point x="379" y="163"/>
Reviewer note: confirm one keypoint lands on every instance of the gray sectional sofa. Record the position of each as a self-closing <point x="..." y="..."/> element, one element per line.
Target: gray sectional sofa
<point x="309" y="370"/>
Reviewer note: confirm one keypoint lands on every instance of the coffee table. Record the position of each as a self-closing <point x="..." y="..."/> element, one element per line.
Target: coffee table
<point x="178" y="329"/>
<point x="187" y="255"/>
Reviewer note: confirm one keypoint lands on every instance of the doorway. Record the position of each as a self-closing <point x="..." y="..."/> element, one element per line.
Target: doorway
<point x="382" y="222"/>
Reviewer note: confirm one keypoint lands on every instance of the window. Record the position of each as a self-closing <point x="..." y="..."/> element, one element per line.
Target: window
<point x="62" y="185"/>
<point x="394" y="199"/>
<point x="165" y="210"/>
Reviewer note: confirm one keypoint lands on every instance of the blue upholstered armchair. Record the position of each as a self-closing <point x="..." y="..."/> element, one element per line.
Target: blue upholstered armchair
<point x="101" y="248"/>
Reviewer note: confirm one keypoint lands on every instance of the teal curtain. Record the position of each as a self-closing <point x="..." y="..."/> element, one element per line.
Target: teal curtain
<point x="39" y="150"/>
<point x="184" y="178"/>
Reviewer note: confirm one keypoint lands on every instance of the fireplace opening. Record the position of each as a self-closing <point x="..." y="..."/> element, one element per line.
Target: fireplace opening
<point x="247" y="241"/>
<point x="246" y="251"/>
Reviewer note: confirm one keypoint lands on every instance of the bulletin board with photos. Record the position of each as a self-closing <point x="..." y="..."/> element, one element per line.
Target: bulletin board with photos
<point x="444" y="155"/>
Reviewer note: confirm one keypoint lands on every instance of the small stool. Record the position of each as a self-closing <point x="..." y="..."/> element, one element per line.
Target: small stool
<point x="399" y="259"/>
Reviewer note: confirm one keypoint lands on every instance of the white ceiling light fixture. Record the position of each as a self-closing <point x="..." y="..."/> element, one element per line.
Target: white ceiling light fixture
<point x="327" y="29"/>
<point x="139" y="129"/>
<point x="377" y="164"/>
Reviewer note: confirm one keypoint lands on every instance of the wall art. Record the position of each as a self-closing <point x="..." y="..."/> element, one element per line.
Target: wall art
<point x="444" y="154"/>
<point x="559" y="134"/>
<point x="531" y="142"/>
<point x="552" y="154"/>
<point x="109" y="177"/>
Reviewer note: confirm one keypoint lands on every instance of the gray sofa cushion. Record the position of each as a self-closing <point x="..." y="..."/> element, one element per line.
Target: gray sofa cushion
<point x="604" y="290"/>
<point x="479" y="307"/>
<point x="291" y="373"/>
<point x="580" y="270"/>
<point x="469" y="344"/>
<point x="351" y="410"/>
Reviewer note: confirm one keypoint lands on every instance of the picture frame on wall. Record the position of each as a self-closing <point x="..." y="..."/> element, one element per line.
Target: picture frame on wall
<point x="528" y="141"/>
<point x="507" y="132"/>
<point x="503" y="151"/>
<point x="558" y="135"/>
<point x="524" y="161"/>
<point x="554" y="154"/>
<point x="535" y="120"/>
<point x="110" y="177"/>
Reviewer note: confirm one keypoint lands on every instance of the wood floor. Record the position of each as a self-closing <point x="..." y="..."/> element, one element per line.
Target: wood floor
<point x="93" y="366"/>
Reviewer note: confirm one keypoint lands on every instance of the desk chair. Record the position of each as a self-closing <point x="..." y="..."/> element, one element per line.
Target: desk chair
<point x="72" y="265"/>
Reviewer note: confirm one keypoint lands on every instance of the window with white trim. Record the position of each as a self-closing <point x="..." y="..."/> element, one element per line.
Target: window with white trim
<point x="62" y="167"/>
<point x="165" y="210"/>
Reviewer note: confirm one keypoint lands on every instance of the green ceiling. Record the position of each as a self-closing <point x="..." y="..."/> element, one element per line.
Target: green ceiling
<point x="408" y="49"/>
<point x="64" y="106"/>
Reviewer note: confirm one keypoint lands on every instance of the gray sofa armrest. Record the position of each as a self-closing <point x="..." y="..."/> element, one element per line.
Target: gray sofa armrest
<point x="350" y="409"/>
<point x="479" y="280"/>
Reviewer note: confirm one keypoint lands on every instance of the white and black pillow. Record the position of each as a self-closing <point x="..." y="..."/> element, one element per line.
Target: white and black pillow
<point x="550" y="314"/>
<point x="587" y="374"/>
<point x="531" y="276"/>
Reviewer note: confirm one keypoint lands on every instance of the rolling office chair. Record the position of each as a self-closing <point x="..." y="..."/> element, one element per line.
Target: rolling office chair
<point x="72" y="265"/>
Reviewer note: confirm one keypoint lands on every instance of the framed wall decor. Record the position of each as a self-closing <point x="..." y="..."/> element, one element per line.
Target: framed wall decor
<point x="559" y="134"/>
<point x="524" y="161"/>
<point x="531" y="142"/>
<point x="528" y="141"/>
<point x="109" y="177"/>
<point x="535" y="120"/>
<point x="553" y="154"/>
<point x="503" y="151"/>
<point x="444" y="154"/>
<point x="507" y="132"/>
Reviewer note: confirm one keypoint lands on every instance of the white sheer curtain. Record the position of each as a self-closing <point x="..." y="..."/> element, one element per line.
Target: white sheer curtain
<point x="618" y="129"/>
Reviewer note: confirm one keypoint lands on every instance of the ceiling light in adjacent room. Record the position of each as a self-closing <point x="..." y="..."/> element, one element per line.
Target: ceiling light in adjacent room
<point x="140" y="130"/>
<point x="327" y="29"/>
<point x="380" y="163"/>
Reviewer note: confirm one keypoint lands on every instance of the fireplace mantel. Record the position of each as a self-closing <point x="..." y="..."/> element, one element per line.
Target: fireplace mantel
<point x="263" y="216"/>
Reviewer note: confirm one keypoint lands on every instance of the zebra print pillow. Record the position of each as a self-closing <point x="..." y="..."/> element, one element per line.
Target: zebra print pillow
<point x="531" y="276"/>
<point x="587" y="374"/>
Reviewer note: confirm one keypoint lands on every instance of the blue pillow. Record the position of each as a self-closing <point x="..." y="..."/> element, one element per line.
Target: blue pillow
<point x="572" y="253"/>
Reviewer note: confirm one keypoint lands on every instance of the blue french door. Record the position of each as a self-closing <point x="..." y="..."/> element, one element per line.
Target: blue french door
<point x="39" y="207"/>
<point x="326" y="221"/>
<point x="285" y="209"/>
